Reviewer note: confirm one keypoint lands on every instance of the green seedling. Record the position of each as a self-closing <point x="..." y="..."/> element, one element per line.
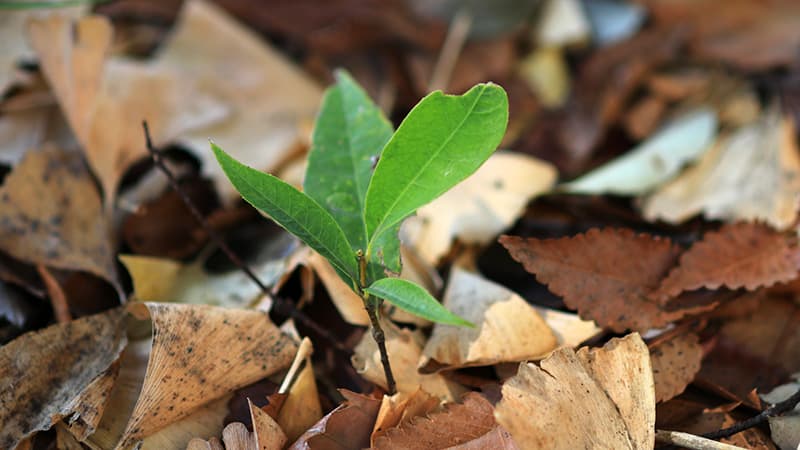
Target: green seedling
<point x="363" y="178"/>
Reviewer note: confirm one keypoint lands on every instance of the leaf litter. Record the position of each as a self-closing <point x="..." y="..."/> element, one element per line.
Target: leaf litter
<point x="679" y="223"/>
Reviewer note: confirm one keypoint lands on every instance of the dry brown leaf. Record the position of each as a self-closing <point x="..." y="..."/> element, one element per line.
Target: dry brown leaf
<point x="268" y="98"/>
<point x="480" y="207"/>
<point x="597" y="398"/>
<point x="507" y="328"/>
<point x="51" y="214"/>
<point x="346" y="427"/>
<point x="199" y="354"/>
<point x="457" y="424"/>
<point x="570" y="330"/>
<point x="741" y="255"/>
<point x="675" y="362"/>
<point x="208" y="420"/>
<point x="401" y="408"/>
<point x="405" y="351"/>
<point x="43" y="373"/>
<point x="90" y="405"/>
<point x="269" y="435"/>
<point x="605" y="274"/>
<point x="753" y="174"/>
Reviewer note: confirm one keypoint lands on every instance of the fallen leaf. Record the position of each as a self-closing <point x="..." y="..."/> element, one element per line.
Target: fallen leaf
<point x="51" y="214"/>
<point x="654" y="161"/>
<point x="675" y="363"/>
<point x="346" y="427"/>
<point x="507" y="329"/>
<point x="457" y="424"/>
<point x="561" y="23"/>
<point x="300" y="407"/>
<point x="480" y="207"/>
<point x="597" y="398"/>
<point x="752" y="174"/>
<point x="90" y="404"/>
<point x="268" y="98"/>
<point x="269" y="435"/>
<point x="43" y="373"/>
<point x="610" y="289"/>
<point x="400" y="408"/>
<point x="546" y="73"/>
<point x="207" y="420"/>
<point x="570" y="330"/>
<point x="741" y="255"/>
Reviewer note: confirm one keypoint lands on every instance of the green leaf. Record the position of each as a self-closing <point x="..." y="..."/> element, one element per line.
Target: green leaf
<point x="411" y="297"/>
<point x="349" y="134"/>
<point x="293" y="210"/>
<point x="442" y="141"/>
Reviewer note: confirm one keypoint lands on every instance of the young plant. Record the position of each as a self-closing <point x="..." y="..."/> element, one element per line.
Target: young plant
<point x="363" y="179"/>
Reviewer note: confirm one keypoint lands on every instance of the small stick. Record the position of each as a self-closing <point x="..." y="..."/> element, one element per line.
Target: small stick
<point x="280" y="304"/>
<point x="373" y="307"/>
<point x="763" y="416"/>
<point x="691" y="441"/>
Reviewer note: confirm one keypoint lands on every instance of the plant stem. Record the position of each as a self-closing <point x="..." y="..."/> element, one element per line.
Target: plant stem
<point x="373" y="307"/>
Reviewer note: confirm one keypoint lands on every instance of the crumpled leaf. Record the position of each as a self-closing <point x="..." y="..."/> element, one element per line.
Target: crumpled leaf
<point x="654" y="161"/>
<point x="458" y="424"/>
<point x="752" y="174"/>
<point x="507" y="328"/>
<point x="269" y="435"/>
<point x="200" y="353"/>
<point x="51" y="214"/>
<point x="267" y="97"/>
<point x="604" y="274"/>
<point x="675" y="362"/>
<point x="595" y="398"/>
<point x="479" y="208"/>
<point x="43" y="373"/>
<point x="742" y="255"/>
<point x="346" y="427"/>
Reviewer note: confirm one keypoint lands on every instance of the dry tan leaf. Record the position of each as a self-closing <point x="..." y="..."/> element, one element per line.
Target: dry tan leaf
<point x="51" y="214"/>
<point x="268" y="97"/>
<point x="507" y="328"/>
<point x="753" y="174"/>
<point x="597" y="398"/>
<point x="199" y="354"/>
<point x="90" y="405"/>
<point x="43" y="372"/>
<point x="546" y="72"/>
<point x="346" y="427"/>
<point x="401" y="408"/>
<point x="497" y="439"/>
<point x="405" y="352"/>
<point x="457" y="424"/>
<point x="236" y="437"/>
<point x="208" y="420"/>
<point x="741" y="255"/>
<point x="480" y="207"/>
<point x="269" y="435"/>
<point x="300" y="408"/>
<point x="570" y="330"/>
<point x="675" y="362"/>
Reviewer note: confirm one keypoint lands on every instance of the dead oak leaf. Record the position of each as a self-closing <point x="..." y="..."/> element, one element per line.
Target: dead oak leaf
<point x="742" y="255"/>
<point x="458" y="424"/>
<point x="604" y="274"/>
<point x="675" y="363"/>
<point x="595" y="398"/>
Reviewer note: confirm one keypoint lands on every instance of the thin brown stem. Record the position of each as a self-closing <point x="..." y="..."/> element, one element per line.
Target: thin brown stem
<point x="774" y="410"/>
<point x="281" y="305"/>
<point x="373" y="307"/>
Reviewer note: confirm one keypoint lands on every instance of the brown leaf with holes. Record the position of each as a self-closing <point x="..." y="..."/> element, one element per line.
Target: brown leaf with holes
<point x="742" y="255"/>
<point x="604" y="274"/>
<point x="348" y="426"/>
<point x="458" y="424"/>
<point x="675" y="363"/>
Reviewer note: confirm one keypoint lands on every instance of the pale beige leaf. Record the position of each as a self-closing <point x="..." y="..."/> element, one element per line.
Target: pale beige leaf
<point x="480" y="207"/>
<point x="206" y="421"/>
<point x="269" y="435"/>
<point x="507" y="328"/>
<point x="301" y="407"/>
<point x="570" y="330"/>
<point x="405" y="351"/>
<point x="752" y="174"/>
<point x="236" y="437"/>
<point x="598" y="398"/>
<point x="401" y="408"/>
<point x="43" y="372"/>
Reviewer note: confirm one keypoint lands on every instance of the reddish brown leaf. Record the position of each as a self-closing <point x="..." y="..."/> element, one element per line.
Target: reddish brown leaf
<point x="675" y="362"/>
<point x="604" y="274"/>
<point x="348" y="426"/>
<point x="458" y="424"/>
<point x="742" y="255"/>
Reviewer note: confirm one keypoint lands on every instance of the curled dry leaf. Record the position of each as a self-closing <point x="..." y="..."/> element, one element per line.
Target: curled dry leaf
<point x="480" y="207"/>
<point x="269" y="435"/>
<point x="752" y="174"/>
<point x="742" y="255"/>
<point x="605" y="274"/>
<point x="675" y="362"/>
<point x="595" y="398"/>
<point x="44" y="373"/>
<point x="405" y="351"/>
<point x="457" y="424"/>
<point x="507" y="328"/>
<point x="50" y="213"/>
<point x="346" y="427"/>
<point x="299" y="407"/>
<point x="199" y="354"/>
<point x="90" y="404"/>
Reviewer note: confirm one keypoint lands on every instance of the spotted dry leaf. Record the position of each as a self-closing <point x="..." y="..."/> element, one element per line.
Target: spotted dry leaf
<point x="741" y="255"/>
<point x="675" y="363"/>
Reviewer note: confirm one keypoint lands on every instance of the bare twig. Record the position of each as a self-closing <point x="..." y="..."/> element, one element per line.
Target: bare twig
<point x="691" y="441"/>
<point x="774" y="410"/>
<point x="283" y="306"/>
